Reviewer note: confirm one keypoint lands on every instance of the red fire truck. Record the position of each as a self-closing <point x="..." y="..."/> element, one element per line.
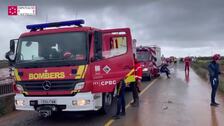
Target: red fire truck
<point x="147" y="57"/>
<point x="64" y="66"/>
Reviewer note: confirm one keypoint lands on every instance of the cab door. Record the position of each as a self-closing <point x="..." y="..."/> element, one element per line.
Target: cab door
<point x="116" y="60"/>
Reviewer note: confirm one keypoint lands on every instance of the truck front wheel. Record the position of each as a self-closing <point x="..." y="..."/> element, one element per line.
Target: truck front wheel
<point x="107" y="100"/>
<point x="149" y="78"/>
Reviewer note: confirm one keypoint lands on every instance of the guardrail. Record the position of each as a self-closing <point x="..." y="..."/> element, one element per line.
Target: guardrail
<point x="6" y="87"/>
<point x="6" y="96"/>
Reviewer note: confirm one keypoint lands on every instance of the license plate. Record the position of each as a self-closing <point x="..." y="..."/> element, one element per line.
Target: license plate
<point x="47" y="101"/>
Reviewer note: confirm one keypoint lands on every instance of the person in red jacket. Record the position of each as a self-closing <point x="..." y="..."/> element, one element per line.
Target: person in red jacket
<point x="138" y="74"/>
<point x="187" y="61"/>
<point x="135" y="85"/>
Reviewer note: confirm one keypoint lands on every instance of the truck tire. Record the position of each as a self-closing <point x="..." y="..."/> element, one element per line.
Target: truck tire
<point x="107" y="100"/>
<point x="149" y="78"/>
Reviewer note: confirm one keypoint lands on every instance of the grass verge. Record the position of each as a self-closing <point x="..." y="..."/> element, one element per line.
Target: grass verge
<point x="201" y="68"/>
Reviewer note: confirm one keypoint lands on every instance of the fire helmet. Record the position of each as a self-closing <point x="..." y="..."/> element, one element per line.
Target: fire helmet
<point x="216" y="57"/>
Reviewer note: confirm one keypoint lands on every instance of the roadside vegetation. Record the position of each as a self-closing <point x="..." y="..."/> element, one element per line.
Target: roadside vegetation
<point x="200" y="66"/>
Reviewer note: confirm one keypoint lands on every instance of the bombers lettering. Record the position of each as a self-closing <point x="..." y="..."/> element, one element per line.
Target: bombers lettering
<point x="104" y="83"/>
<point x="51" y="75"/>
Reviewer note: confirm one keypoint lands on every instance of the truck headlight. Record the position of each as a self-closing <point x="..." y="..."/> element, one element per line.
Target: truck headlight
<point x="80" y="102"/>
<point x="145" y="69"/>
<point x="79" y="86"/>
<point x="20" y="102"/>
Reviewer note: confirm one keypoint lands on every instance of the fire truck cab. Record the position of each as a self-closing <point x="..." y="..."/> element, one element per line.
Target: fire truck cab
<point x="145" y="55"/>
<point x="64" y="66"/>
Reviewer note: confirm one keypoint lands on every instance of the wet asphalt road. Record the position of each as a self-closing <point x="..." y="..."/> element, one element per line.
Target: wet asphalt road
<point x="179" y="101"/>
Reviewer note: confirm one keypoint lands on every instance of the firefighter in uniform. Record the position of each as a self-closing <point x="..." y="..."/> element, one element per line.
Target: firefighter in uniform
<point x="164" y="69"/>
<point x="120" y="96"/>
<point x="187" y="61"/>
<point x="214" y="72"/>
<point x="138" y="74"/>
<point x="135" y="85"/>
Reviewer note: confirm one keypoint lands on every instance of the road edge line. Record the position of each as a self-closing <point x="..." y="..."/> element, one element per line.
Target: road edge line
<point x="108" y="123"/>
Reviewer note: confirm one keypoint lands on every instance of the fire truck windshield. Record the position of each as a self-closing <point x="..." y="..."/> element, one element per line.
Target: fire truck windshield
<point x="143" y="56"/>
<point x="53" y="49"/>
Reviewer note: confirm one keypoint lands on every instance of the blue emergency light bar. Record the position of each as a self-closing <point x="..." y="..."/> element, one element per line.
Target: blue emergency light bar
<point x="34" y="27"/>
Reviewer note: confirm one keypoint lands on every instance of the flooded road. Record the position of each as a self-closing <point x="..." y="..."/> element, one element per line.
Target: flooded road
<point x="179" y="101"/>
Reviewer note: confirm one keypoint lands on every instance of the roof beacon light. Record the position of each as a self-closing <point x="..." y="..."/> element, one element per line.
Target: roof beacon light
<point x="34" y="27"/>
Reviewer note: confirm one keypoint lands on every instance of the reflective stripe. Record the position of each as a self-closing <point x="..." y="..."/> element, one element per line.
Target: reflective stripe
<point x="75" y="91"/>
<point x="17" y="77"/>
<point x="84" y="73"/>
<point x="131" y="72"/>
<point x="24" y="92"/>
<point x="80" y="72"/>
<point x="130" y="77"/>
<point x="139" y="77"/>
<point x="137" y="68"/>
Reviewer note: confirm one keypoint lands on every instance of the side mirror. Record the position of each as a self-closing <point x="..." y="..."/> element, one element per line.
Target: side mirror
<point x="12" y="46"/>
<point x="10" y="55"/>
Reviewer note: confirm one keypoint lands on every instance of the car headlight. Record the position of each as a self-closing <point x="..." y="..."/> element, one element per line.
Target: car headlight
<point x="79" y="86"/>
<point x="80" y="102"/>
<point x="145" y="69"/>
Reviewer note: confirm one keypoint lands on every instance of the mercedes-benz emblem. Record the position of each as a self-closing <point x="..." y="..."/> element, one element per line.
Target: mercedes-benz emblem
<point x="46" y="85"/>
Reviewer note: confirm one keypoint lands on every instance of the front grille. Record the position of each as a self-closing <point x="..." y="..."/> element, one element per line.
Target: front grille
<point x="55" y="85"/>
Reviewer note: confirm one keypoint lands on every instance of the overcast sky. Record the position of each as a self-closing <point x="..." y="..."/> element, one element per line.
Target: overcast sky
<point x="179" y="27"/>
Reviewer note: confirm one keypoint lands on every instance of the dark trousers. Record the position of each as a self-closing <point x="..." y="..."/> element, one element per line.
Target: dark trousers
<point x="121" y="101"/>
<point x="165" y="70"/>
<point x="167" y="73"/>
<point x="214" y="85"/>
<point x="134" y="89"/>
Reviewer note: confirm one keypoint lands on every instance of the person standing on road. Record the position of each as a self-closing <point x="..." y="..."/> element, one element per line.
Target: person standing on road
<point x="120" y="96"/>
<point x="214" y="72"/>
<point x="187" y="61"/>
<point x="138" y="74"/>
<point x="135" y="86"/>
